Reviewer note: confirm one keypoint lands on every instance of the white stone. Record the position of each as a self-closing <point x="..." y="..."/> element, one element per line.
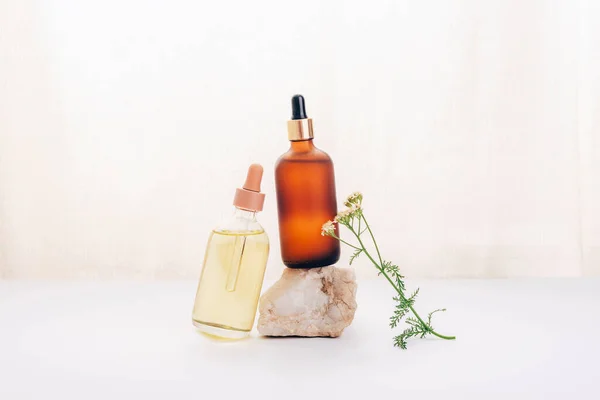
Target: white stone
<point x="309" y="302"/>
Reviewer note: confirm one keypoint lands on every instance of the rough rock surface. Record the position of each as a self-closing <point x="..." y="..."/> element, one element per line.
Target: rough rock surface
<point x="309" y="302"/>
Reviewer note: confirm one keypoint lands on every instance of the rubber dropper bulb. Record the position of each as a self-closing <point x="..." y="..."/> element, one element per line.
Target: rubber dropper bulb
<point x="254" y="177"/>
<point x="298" y="107"/>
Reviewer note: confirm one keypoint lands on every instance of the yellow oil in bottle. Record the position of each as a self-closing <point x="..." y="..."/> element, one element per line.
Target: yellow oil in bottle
<point x="230" y="283"/>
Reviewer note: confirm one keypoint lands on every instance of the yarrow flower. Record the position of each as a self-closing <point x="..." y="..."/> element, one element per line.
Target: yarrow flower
<point x="353" y="218"/>
<point x="354" y="198"/>
<point x="344" y="216"/>
<point x="328" y="229"/>
<point x="356" y="209"/>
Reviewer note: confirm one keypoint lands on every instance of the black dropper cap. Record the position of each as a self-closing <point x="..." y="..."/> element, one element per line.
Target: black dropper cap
<point x="298" y="107"/>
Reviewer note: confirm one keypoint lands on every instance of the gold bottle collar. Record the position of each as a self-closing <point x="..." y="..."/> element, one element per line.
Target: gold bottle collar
<point x="300" y="129"/>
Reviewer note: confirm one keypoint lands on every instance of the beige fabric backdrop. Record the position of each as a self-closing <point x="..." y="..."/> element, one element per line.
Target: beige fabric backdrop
<point x="473" y="128"/>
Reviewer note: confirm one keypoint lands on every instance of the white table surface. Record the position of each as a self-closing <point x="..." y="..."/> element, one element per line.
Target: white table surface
<point x="108" y="340"/>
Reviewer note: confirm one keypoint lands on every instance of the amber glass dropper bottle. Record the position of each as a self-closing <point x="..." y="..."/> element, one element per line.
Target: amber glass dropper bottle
<point x="305" y="185"/>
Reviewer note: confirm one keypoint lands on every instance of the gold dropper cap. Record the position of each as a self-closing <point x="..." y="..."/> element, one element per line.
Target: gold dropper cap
<point x="300" y="127"/>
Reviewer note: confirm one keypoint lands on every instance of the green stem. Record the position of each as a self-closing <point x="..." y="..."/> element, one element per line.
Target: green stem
<point x="346" y="243"/>
<point x="380" y="268"/>
<point x="372" y="238"/>
<point x="442" y="336"/>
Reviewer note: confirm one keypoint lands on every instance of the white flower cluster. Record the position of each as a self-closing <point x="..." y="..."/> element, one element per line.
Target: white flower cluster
<point x="354" y="198"/>
<point x="344" y="216"/>
<point x="328" y="229"/>
<point x="353" y="202"/>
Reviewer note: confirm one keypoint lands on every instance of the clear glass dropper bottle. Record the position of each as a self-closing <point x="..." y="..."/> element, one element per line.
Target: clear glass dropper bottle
<point x="234" y="267"/>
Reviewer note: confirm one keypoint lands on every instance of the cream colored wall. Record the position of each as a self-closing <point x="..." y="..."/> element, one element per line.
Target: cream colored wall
<point x="471" y="127"/>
